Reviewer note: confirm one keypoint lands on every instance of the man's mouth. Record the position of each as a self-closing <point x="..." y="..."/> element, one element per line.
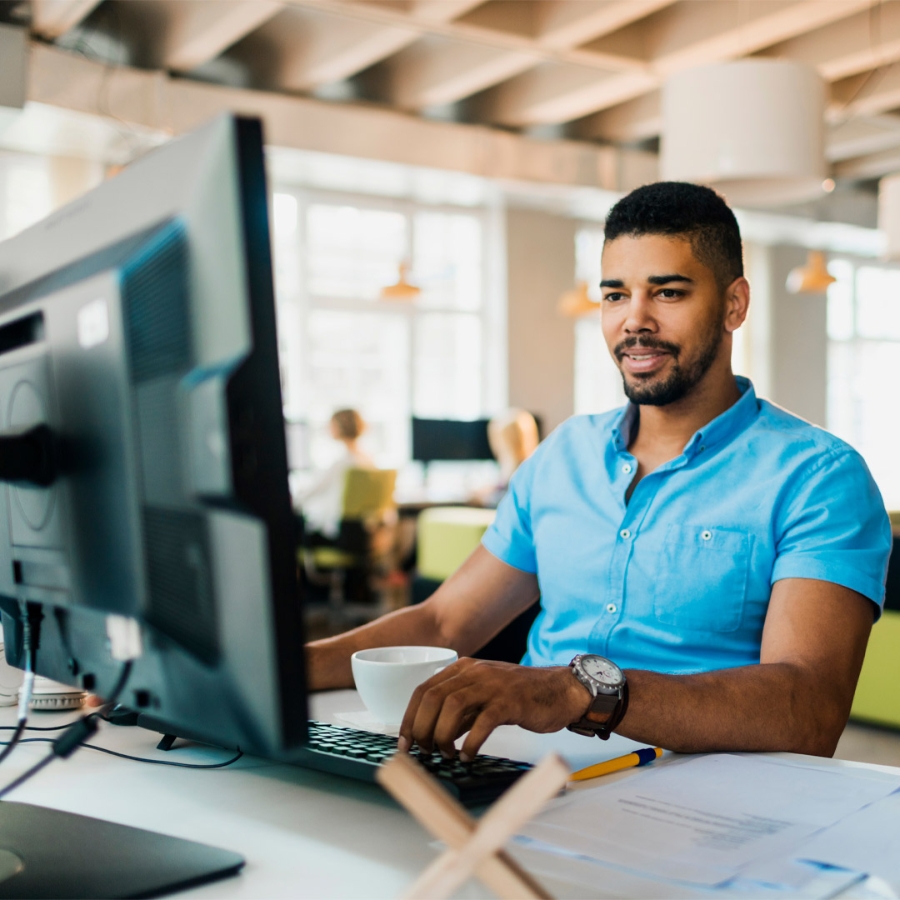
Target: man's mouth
<point x="641" y="360"/>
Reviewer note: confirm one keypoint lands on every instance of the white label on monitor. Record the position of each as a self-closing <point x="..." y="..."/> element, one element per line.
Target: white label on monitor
<point x="124" y="635"/>
<point x="93" y="324"/>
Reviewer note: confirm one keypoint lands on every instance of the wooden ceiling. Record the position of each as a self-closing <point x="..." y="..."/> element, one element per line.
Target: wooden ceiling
<point x="582" y="70"/>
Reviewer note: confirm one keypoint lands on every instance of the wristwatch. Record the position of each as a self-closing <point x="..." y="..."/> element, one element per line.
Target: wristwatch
<point x="609" y="689"/>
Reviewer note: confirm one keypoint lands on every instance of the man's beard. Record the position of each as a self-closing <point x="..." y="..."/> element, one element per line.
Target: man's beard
<point x="680" y="381"/>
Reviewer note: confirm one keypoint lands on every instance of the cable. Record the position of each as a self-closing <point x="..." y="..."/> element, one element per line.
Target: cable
<point x="142" y="759"/>
<point x="75" y="735"/>
<point x="30" y="638"/>
<point x="37" y="727"/>
<point x="25" y="776"/>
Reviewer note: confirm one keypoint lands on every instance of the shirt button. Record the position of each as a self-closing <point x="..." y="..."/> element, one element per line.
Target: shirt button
<point x="611" y="607"/>
<point x="624" y="534"/>
<point x="706" y="535"/>
<point x="627" y="468"/>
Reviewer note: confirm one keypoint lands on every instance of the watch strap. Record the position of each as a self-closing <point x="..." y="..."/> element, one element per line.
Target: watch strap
<point x="617" y="702"/>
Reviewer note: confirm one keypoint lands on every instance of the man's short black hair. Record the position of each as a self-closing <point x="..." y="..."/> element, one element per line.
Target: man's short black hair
<point x="697" y="214"/>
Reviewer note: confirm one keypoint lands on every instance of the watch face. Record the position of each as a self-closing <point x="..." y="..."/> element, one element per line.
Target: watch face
<point x="602" y="670"/>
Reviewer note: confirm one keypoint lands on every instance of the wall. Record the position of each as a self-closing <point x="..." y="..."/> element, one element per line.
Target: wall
<point x="540" y="263"/>
<point x="789" y="356"/>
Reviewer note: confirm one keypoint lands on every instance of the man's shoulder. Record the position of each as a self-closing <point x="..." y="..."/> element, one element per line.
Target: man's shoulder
<point x="778" y="426"/>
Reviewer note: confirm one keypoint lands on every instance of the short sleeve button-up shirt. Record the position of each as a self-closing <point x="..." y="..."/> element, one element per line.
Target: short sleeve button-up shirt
<point x="677" y="578"/>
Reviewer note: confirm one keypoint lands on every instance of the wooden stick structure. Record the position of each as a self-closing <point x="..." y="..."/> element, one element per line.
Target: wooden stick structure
<point x="474" y="847"/>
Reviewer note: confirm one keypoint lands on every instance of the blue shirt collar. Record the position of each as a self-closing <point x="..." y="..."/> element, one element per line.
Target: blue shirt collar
<point x="724" y="427"/>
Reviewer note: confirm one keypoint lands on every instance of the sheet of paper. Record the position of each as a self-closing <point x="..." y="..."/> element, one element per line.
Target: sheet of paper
<point x="569" y="875"/>
<point x="702" y="820"/>
<point x="867" y="840"/>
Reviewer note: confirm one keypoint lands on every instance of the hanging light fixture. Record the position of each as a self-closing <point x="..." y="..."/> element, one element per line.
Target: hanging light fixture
<point x="813" y="278"/>
<point x="401" y="290"/>
<point x="577" y="302"/>
<point x="752" y="129"/>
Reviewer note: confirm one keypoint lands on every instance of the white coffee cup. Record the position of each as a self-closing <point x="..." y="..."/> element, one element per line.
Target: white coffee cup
<point x="387" y="676"/>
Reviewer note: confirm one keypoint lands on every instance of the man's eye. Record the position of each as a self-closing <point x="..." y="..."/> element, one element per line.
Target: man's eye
<point x="613" y="296"/>
<point x="670" y="294"/>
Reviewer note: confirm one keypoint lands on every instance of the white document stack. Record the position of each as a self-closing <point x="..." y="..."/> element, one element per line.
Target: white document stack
<point x="727" y="823"/>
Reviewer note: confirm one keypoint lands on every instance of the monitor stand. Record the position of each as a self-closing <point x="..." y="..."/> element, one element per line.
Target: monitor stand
<point x="45" y="853"/>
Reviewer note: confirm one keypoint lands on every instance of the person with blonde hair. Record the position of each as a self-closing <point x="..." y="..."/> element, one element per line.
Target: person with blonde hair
<point x="513" y="436"/>
<point x="322" y="502"/>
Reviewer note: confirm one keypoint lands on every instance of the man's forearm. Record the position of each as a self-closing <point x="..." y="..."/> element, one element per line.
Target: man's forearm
<point x="328" y="660"/>
<point x="776" y="706"/>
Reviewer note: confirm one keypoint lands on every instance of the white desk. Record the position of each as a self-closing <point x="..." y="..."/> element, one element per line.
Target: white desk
<point x="304" y="834"/>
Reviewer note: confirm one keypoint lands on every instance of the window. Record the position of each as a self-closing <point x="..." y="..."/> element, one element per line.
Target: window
<point x="343" y="346"/>
<point x="863" y="347"/>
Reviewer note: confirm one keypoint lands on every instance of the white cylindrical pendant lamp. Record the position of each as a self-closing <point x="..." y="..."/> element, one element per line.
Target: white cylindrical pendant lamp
<point x="752" y="129"/>
<point x="889" y="214"/>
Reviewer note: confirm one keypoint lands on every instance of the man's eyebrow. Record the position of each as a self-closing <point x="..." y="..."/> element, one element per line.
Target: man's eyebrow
<point x="653" y="279"/>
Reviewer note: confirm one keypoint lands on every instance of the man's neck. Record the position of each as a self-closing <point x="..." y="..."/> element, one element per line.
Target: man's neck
<point x="663" y="431"/>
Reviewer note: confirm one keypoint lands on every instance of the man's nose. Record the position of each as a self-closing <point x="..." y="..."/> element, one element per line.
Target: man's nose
<point x="639" y="318"/>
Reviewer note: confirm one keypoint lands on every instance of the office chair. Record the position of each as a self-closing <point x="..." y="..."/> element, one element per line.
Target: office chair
<point x="446" y="537"/>
<point x="363" y="545"/>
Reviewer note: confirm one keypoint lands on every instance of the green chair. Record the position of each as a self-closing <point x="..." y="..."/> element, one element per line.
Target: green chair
<point x="447" y="535"/>
<point x="446" y="538"/>
<point x="364" y="543"/>
<point x="878" y="692"/>
<point x="877" y="698"/>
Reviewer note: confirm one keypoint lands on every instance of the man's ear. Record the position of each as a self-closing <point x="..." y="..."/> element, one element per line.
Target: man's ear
<point x="737" y="302"/>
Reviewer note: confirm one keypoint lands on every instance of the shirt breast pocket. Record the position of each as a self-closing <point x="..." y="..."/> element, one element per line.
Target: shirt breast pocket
<point x="703" y="578"/>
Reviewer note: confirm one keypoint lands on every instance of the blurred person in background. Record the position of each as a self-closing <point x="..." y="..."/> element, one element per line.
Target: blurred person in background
<point x="513" y="436"/>
<point x="321" y="504"/>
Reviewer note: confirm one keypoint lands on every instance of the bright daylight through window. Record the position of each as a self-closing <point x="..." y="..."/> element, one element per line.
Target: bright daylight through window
<point x="863" y="344"/>
<point x="429" y="356"/>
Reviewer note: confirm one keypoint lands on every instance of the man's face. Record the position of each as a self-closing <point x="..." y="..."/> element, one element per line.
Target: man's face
<point x="664" y="316"/>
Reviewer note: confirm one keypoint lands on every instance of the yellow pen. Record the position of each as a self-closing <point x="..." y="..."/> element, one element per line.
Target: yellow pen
<point x="629" y="761"/>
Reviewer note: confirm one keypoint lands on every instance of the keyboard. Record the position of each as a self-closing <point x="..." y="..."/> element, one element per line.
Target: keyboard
<point x="358" y="754"/>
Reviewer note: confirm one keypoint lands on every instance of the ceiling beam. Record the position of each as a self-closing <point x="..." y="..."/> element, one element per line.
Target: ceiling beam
<point x="862" y="136"/>
<point x="304" y="48"/>
<point x="437" y="72"/>
<point x="634" y="120"/>
<point x="553" y="94"/>
<point x="857" y="44"/>
<point x="563" y="24"/>
<point x="868" y="94"/>
<point x="875" y="165"/>
<point x="51" y="19"/>
<point x="153" y="100"/>
<point x="196" y="33"/>
<point x="465" y="29"/>
<point x="862" y="42"/>
<point x="441" y="10"/>
<point x="682" y="36"/>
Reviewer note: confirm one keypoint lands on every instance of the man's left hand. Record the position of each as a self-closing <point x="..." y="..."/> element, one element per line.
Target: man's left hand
<point x="478" y="695"/>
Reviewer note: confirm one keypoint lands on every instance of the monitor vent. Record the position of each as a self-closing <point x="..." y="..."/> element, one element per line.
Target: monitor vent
<point x="155" y="300"/>
<point x="181" y="590"/>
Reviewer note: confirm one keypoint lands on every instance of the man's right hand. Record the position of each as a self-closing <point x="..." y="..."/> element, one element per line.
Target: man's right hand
<point x="478" y="695"/>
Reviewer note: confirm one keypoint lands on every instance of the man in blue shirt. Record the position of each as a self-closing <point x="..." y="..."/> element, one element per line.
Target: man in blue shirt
<point x="709" y="565"/>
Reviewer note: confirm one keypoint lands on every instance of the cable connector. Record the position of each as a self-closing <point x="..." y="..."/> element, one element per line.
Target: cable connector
<point x="72" y="738"/>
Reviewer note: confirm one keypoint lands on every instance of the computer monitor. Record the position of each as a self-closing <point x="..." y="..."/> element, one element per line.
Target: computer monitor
<point x="449" y="439"/>
<point x="144" y="503"/>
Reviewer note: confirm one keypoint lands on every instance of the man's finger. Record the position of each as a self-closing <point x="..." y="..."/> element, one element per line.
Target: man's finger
<point x="458" y="711"/>
<point x="405" y="740"/>
<point x="482" y="727"/>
